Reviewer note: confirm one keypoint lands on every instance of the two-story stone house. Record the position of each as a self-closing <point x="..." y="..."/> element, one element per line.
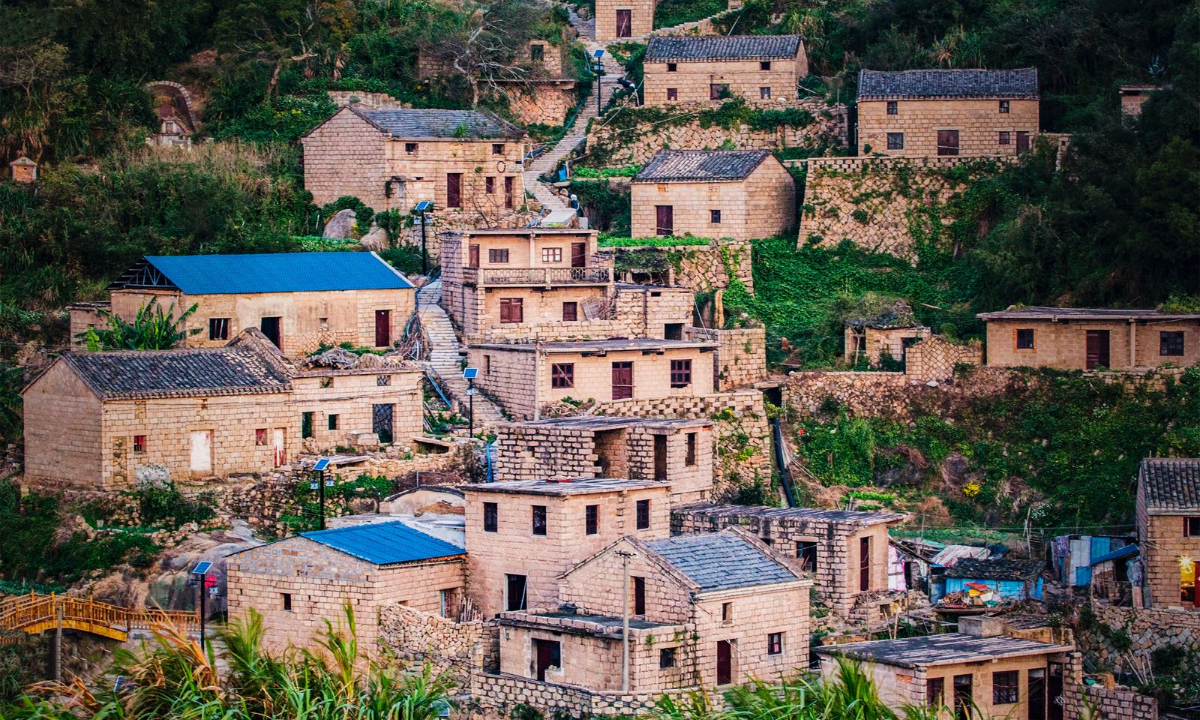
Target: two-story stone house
<point x="737" y="194"/>
<point x="759" y="68"/>
<point x="1168" y="526"/>
<point x="461" y="160"/>
<point x="616" y="19"/>
<point x="929" y="113"/>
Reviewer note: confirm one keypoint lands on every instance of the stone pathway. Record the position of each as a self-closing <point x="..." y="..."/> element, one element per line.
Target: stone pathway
<point x="446" y="354"/>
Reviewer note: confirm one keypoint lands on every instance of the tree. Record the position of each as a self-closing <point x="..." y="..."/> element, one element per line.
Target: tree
<point x="151" y="329"/>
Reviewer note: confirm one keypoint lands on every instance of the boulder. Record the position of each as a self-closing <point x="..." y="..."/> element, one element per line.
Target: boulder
<point x="375" y="240"/>
<point x="340" y="225"/>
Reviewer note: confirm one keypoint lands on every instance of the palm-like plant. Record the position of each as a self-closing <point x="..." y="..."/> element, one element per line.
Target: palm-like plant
<point x="151" y="329"/>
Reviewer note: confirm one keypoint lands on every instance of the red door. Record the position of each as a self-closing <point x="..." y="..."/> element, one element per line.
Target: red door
<point x="622" y="380"/>
<point x="1022" y="141"/>
<point x="947" y="142"/>
<point x="454" y="190"/>
<point x="508" y="192"/>
<point x="664" y="220"/>
<point x="473" y="256"/>
<point x="1097" y="349"/>
<point x="624" y="23"/>
<point x="724" y="662"/>
<point x="383" y="328"/>
<point x="578" y="255"/>
<point x="549" y="654"/>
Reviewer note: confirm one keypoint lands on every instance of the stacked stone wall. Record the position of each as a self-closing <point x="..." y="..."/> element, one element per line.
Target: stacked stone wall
<point x="1148" y="629"/>
<point x="620" y="146"/>
<point x="741" y="357"/>
<point x="1120" y="703"/>
<point x="547" y="103"/>
<point x="460" y="648"/>
<point x="701" y="268"/>
<point x="499" y="694"/>
<point x="936" y="358"/>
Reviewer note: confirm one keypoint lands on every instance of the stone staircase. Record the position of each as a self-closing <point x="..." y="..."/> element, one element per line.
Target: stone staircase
<point x="446" y="355"/>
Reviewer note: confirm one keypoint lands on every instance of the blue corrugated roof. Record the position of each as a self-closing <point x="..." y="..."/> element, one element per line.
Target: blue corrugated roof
<point x="1117" y="554"/>
<point x="385" y="543"/>
<point x="278" y="272"/>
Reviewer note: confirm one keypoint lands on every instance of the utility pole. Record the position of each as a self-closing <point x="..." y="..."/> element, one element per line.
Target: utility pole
<point x="625" y="555"/>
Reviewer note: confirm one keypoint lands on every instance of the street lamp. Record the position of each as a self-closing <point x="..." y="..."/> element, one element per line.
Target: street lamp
<point x="598" y="69"/>
<point x="202" y="580"/>
<point x="470" y="374"/>
<point x="420" y="210"/>
<point x="318" y="480"/>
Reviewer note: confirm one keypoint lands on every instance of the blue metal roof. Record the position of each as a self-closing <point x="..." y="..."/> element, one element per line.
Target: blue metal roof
<point x="385" y="543"/>
<point x="1117" y="554"/>
<point x="278" y="272"/>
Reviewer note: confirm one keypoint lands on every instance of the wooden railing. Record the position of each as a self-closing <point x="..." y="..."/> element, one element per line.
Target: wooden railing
<point x="537" y="276"/>
<point x="34" y="613"/>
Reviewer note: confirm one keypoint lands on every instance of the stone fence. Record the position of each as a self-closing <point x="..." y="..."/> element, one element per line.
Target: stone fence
<point x="1120" y="703"/>
<point x="460" y="648"/>
<point x="1148" y="629"/>
<point x="499" y="694"/>
<point x="936" y="358"/>
<point x="699" y="267"/>
<point x="741" y="357"/>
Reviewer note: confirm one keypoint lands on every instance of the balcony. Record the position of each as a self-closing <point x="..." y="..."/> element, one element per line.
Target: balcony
<point x="548" y="276"/>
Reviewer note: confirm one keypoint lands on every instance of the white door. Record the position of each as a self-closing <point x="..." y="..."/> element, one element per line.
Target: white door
<point x="277" y="441"/>
<point x="202" y="451"/>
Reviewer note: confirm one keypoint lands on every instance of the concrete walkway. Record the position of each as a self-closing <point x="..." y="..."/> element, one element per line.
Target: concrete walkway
<point x="446" y="355"/>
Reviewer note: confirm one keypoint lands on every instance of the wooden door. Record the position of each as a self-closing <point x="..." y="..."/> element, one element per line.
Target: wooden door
<point x="624" y="23"/>
<point x="549" y="654"/>
<point x="947" y="142"/>
<point x="660" y="457"/>
<point x="579" y="255"/>
<point x="473" y="256"/>
<point x="270" y="328"/>
<point x="508" y="192"/>
<point x="622" y="380"/>
<point x="664" y="220"/>
<point x="1054" y="692"/>
<point x="1022" y="141"/>
<point x="1097" y="349"/>
<point x="383" y="328"/>
<point x="454" y="190"/>
<point x="724" y="662"/>
<point x="201" y="455"/>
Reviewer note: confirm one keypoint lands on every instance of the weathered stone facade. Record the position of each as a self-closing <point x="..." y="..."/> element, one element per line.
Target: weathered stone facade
<point x="700" y="268"/>
<point x="547" y="102"/>
<point x="1168" y="517"/>
<point x="873" y="342"/>
<point x="677" y="79"/>
<point x="612" y="25"/>
<point x="1148" y="630"/>
<point x="936" y="358"/>
<point x="741" y="357"/>
<point x="461" y="648"/>
<point x="981" y="127"/>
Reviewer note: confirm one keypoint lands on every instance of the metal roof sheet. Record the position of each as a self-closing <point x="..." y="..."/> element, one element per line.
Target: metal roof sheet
<point x="385" y="543"/>
<point x="721" y="561"/>
<point x="278" y="272"/>
<point x="886" y="85"/>
<point x="736" y="47"/>
<point x="1121" y="552"/>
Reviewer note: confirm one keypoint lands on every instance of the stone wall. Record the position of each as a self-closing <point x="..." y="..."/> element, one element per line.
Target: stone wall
<point x="876" y="202"/>
<point x="499" y="694"/>
<point x="460" y="648"/>
<point x="699" y="267"/>
<point x="548" y="103"/>
<point x="1149" y="630"/>
<point x="635" y="145"/>
<point x="741" y="357"/>
<point x="980" y="125"/>
<point x="935" y="358"/>
<point x="691" y="82"/>
<point x="1120" y="703"/>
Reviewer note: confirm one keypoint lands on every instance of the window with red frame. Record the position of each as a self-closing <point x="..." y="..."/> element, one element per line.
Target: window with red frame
<point x="681" y="373"/>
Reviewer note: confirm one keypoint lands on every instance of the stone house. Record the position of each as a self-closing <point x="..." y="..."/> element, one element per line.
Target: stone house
<point x="176" y="119"/>
<point x="1168" y="528"/>
<point x="299" y="583"/>
<point x="1133" y="97"/>
<point x="845" y="552"/>
<point x="759" y="68"/>
<point x="967" y="672"/>
<point x="872" y="340"/>
<point x="926" y="113"/>
<point x="736" y="194"/>
<point x="106" y="420"/>
<point x="23" y="170"/>
<point x="299" y="301"/>
<point x="677" y="452"/>
<point x="705" y="611"/>
<point x="464" y="161"/>
<point x="521" y="536"/>
<point x="1088" y="338"/>
<point x="525" y="377"/>
<point x="616" y="19"/>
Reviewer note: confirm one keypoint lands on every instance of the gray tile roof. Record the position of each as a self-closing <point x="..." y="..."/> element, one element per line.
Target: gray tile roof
<point x="1170" y="485"/>
<point x="422" y="123"/>
<point x="609" y="345"/>
<point x="701" y="165"/>
<point x="564" y="486"/>
<point x="1057" y="313"/>
<point x="945" y="649"/>
<point x="1009" y="84"/>
<point x="783" y="515"/>
<point x="999" y="569"/>
<point x="721" y="561"/>
<point x="737" y="47"/>
<point x="139" y="374"/>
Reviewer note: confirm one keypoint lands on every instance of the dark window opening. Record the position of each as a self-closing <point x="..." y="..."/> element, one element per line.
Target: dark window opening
<point x="333" y="422"/>
<point x="639" y="596"/>
<point x="1191" y="527"/>
<point x="270" y="327"/>
<point x="764" y="93"/>
<point x="892" y="108"/>
<point x="491" y="517"/>
<point x="489" y="185"/>
<point x="935" y="692"/>
<point x="537" y="53"/>
<point x="673" y="331"/>
<point x="864" y="564"/>
<point x="690" y="457"/>
<point x="895" y="141"/>
<point x="306" y="425"/>
<point x="681" y="373"/>
<point x="1004" y="106"/>
<point x="1170" y="343"/>
<point x="672" y="67"/>
<point x="139" y="443"/>
<point x="539" y="519"/>
<point x="515" y="585"/>
<point x="562" y="375"/>
<point x="218" y="328"/>
<point x="410" y="148"/>
<point x="498" y="255"/>
<point x="1005" y="137"/>
<point x="727" y="612"/>
<point x="1005" y="687"/>
<point x="764" y="65"/>
<point x="287" y="602"/>
<point x="775" y="644"/>
<point x="666" y="658"/>
<point x="714" y="217"/>
<point x="643" y="514"/>
<point x="592" y="520"/>
<point x="1025" y="339"/>
<point x="807" y="552"/>
<point x="672" y="93"/>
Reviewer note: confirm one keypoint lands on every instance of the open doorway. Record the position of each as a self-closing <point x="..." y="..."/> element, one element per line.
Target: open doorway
<point x="612" y="453"/>
<point x="547" y="654"/>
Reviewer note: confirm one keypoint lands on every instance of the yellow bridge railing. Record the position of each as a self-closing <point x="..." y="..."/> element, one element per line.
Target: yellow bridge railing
<point x="34" y="614"/>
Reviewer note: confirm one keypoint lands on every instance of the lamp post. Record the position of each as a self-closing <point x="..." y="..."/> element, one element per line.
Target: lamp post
<point x="319" y="479"/>
<point x="470" y="374"/>
<point x="201" y="579"/>
<point x="598" y="69"/>
<point x="421" y="210"/>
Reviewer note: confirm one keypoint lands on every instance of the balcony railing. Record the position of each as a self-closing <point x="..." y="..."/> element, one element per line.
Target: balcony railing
<point x="537" y="276"/>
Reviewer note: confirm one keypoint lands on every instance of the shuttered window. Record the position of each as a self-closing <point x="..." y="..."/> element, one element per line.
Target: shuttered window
<point x="512" y="310"/>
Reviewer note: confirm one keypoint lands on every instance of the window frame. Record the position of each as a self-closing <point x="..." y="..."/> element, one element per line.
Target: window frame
<point x="642" y="515"/>
<point x="1005" y="107"/>
<point x="512" y="311"/>
<point x="218" y="328"/>
<point x="935" y="686"/>
<point x="498" y="256"/>
<point x="895" y="141"/>
<point x="332" y="420"/>
<point x="716" y="90"/>
<point x="764" y="93"/>
<point x="666" y="658"/>
<point x="1166" y="343"/>
<point x="286" y="597"/>
<point x="681" y="373"/>
<point x="672" y="67"/>
<point x="893" y="107"/>
<point x="412" y="148"/>
<point x="552" y="254"/>
<point x="562" y="376"/>
<point x="805" y="548"/>
<point x="1004" y="137"/>
<point x="489" y="185"/>
<point x="491" y="517"/>
<point x="672" y="94"/>
<point x="1191" y="526"/>
<point x="1006" y="693"/>
<point x="690" y="444"/>
<point x="714" y="217"/>
<point x="139" y="444"/>
<point x="764" y="65"/>
<point x="539" y="521"/>
<point x="775" y="643"/>
<point x="573" y="315"/>
<point x="591" y="520"/>
<point x="1017" y="339"/>
<point x="260" y="437"/>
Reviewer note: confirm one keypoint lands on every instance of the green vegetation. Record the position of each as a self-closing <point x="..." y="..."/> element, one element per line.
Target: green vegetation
<point x="627" y="171"/>
<point x="670" y="13"/>
<point x="164" y="506"/>
<point x="151" y="329"/>
<point x="658" y="242"/>
<point x="606" y="205"/>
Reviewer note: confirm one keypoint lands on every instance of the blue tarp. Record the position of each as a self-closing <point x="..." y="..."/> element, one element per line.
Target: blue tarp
<point x="1007" y="589"/>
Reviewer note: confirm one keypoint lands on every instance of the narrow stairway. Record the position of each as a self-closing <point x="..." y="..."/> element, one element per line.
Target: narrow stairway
<point x="446" y="355"/>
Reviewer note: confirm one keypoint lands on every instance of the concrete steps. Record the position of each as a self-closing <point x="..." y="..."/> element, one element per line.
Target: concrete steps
<point x="446" y="356"/>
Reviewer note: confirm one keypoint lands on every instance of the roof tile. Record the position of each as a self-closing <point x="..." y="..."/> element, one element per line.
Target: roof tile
<point x="721" y="561"/>
<point x="701" y="165"/>
<point x="881" y="85"/>
<point x="427" y="123"/>
<point x="138" y="374"/>
<point x="737" y="47"/>
<point x="1170" y="485"/>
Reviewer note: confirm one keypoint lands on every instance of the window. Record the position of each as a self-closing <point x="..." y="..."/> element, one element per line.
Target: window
<point x="639" y="595"/>
<point x="491" y="517"/>
<point x="1005" y="137"/>
<point x="726" y="612"/>
<point x="672" y="93"/>
<point x="260" y="437"/>
<point x="139" y="443"/>
<point x="1003" y="107"/>
<point x="489" y="185"/>
<point x="591" y="518"/>
<point x="947" y="142"/>
<point x="643" y="514"/>
<point x="487" y="364"/>
<point x="306" y="425"/>
<point x="1170" y="343"/>
<point x="449" y="599"/>
<point x="383" y="380"/>
<point x="512" y="310"/>
<point x="1025" y="338"/>
<point x="218" y="328"/>
<point x="1191" y="527"/>
<point x="775" y="644"/>
<point x="807" y="552"/>
<point x="714" y="217"/>
<point x="690" y="457"/>
<point x="497" y="148"/>
<point x="562" y="375"/>
<point x="716" y="91"/>
<point x="539" y="519"/>
<point x="498" y="255"/>
<point x="672" y="331"/>
<point x="570" y="311"/>
<point x="672" y="67"/>
<point x="892" y="108"/>
<point x="681" y="373"/>
<point x="410" y="148"/>
<point x="764" y="93"/>
<point x="765" y="65"/>
<point x="287" y="601"/>
<point x="1005" y="686"/>
<point x="666" y="658"/>
<point x="514" y="592"/>
<point x="895" y="141"/>
<point x="552" y="255"/>
<point x="864" y="564"/>
<point x="333" y="422"/>
<point x="537" y="53"/>
<point x="935" y="692"/>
